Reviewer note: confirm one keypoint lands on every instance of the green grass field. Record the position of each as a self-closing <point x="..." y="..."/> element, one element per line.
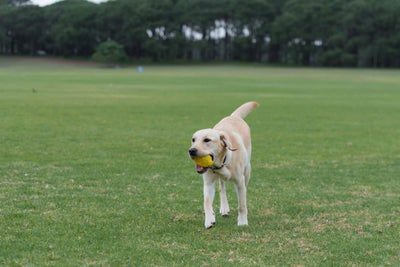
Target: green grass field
<point x="94" y="167"/>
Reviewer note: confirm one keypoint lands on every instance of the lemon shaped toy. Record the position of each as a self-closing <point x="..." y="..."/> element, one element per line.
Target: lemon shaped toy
<point x="203" y="161"/>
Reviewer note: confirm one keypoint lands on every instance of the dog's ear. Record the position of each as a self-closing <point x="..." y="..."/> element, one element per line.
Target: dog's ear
<point x="225" y="142"/>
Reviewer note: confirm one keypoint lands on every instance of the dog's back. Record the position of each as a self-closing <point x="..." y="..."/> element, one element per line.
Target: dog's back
<point x="235" y="124"/>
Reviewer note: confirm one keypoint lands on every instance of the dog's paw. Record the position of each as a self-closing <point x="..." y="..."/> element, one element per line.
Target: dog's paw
<point x="224" y="211"/>
<point x="242" y="221"/>
<point x="209" y="220"/>
<point x="242" y="224"/>
<point x="209" y="226"/>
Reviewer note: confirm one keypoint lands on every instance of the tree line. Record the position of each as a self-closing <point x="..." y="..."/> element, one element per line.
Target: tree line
<point x="356" y="33"/>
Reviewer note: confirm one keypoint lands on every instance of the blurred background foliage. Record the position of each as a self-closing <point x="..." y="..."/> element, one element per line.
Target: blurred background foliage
<point x="355" y="33"/>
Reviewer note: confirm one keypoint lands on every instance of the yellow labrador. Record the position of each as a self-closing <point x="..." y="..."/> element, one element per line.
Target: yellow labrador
<point x="229" y="145"/>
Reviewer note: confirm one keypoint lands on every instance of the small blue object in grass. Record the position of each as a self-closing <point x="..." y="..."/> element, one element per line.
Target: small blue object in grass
<point x="140" y="69"/>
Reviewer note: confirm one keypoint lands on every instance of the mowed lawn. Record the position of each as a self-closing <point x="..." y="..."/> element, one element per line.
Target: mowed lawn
<point x="94" y="167"/>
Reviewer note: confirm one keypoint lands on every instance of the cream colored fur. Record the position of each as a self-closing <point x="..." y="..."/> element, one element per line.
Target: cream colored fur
<point x="230" y="140"/>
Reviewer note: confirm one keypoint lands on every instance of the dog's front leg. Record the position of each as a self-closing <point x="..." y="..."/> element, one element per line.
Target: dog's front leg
<point x="224" y="210"/>
<point x="241" y="189"/>
<point x="209" y="192"/>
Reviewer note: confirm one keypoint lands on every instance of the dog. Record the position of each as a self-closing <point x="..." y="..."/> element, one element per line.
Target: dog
<point x="229" y="145"/>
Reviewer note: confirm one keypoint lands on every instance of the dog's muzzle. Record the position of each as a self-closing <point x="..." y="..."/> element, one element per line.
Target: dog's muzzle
<point x="193" y="152"/>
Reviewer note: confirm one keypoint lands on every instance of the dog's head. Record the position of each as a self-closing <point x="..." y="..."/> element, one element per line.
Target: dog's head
<point x="209" y="142"/>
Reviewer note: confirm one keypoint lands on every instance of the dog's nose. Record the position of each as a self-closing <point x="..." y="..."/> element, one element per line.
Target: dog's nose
<point x="193" y="151"/>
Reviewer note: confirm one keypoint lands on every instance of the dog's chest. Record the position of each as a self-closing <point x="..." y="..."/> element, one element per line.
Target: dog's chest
<point x="224" y="174"/>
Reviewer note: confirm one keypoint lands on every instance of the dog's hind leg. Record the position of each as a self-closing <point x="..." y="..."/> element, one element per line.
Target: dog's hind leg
<point x="241" y="189"/>
<point x="247" y="172"/>
<point x="224" y="210"/>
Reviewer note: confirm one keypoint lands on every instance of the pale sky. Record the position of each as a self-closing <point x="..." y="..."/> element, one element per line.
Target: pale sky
<point x="48" y="2"/>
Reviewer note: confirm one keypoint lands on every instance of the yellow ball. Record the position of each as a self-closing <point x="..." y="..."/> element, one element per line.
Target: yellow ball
<point x="203" y="161"/>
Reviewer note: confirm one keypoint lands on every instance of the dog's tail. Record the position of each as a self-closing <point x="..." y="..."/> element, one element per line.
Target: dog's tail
<point x="244" y="109"/>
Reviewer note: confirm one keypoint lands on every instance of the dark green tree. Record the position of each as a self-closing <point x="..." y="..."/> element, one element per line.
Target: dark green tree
<point x="72" y="29"/>
<point x="110" y="52"/>
<point x="22" y="28"/>
<point x="305" y="32"/>
<point x="253" y="22"/>
<point x="372" y="32"/>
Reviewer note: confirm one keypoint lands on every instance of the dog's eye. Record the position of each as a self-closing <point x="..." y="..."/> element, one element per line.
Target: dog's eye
<point x="193" y="140"/>
<point x="206" y="140"/>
